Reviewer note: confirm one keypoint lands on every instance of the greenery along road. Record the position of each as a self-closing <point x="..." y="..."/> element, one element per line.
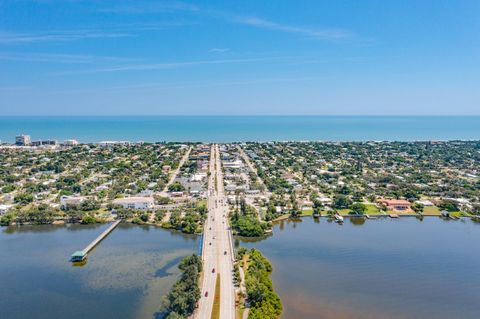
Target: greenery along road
<point x="264" y="302"/>
<point x="183" y="298"/>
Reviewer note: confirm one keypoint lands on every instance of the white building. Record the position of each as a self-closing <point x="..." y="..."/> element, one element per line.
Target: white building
<point x="4" y="208"/>
<point x="70" y="142"/>
<point x="22" y="140"/>
<point x="113" y="143"/>
<point x="424" y="202"/>
<point x="198" y="177"/>
<point x="71" y="200"/>
<point x="234" y="164"/>
<point x="143" y="203"/>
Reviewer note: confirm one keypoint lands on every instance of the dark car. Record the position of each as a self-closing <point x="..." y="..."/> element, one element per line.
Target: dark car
<point x="213" y="270"/>
<point x="206" y="293"/>
<point x="225" y="252"/>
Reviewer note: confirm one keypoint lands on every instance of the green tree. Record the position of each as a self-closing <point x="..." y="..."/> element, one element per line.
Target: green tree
<point x="341" y="202"/>
<point x="176" y="187"/>
<point x="448" y="205"/>
<point x="23" y="198"/>
<point x="358" y="208"/>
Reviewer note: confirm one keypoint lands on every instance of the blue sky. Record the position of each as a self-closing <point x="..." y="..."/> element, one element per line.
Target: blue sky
<point x="336" y="57"/>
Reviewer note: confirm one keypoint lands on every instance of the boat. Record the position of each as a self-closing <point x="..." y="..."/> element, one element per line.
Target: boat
<point x="338" y="218"/>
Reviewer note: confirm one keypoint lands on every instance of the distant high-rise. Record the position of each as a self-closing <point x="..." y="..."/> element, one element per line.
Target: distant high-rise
<point x="44" y="142"/>
<point x="22" y="140"/>
<point x="70" y="142"/>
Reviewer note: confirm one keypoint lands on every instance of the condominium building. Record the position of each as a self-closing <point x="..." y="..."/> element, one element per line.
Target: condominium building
<point x="70" y="142"/>
<point x="22" y="140"/>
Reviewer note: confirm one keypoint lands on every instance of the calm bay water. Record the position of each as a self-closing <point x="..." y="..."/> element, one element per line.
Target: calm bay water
<point x="378" y="269"/>
<point x="242" y="128"/>
<point x="125" y="276"/>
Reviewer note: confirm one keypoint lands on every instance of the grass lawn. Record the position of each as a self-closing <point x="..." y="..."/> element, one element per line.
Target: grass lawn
<point x="216" y="300"/>
<point x="344" y="212"/>
<point x="372" y="210"/>
<point x="307" y="212"/>
<point x="459" y="214"/>
<point x="202" y="202"/>
<point x="282" y="217"/>
<point x="431" y="211"/>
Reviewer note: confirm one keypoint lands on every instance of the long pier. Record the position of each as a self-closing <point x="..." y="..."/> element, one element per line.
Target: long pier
<point x="82" y="254"/>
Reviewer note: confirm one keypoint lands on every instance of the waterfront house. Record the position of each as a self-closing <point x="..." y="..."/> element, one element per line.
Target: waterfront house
<point x="424" y="202"/>
<point x="400" y="205"/>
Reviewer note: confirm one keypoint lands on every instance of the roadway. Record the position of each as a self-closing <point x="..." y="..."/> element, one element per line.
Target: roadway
<point x="175" y="173"/>
<point x="250" y="165"/>
<point x="217" y="247"/>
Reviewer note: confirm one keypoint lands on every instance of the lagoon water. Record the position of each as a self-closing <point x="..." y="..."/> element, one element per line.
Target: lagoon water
<point x="382" y="268"/>
<point x="126" y="276"/>
<point x="242" y="128"/>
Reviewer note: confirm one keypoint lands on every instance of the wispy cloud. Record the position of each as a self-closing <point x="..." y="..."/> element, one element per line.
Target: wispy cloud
<point x="56" y="36"/>
<point x="318" y="33"/>
<point x="169" y="86"/>
<point x="163" y="66"/>
<point x="218" y="50"/>
<point x="143" y="7"/>
<point x="62" y="58"/>
<point x="12" y="88"/>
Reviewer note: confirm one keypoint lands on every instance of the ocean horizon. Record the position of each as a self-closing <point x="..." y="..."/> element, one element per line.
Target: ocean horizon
<point x="223" y="129"/>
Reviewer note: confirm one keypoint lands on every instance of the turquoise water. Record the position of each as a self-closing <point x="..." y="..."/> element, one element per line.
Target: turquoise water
<point x="242" y="128"/>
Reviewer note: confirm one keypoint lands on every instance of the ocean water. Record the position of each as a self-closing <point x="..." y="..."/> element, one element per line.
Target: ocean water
<point x="243" y="128"/>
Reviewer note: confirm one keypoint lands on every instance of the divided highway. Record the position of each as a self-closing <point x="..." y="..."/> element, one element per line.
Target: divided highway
<point x="217" y="253"/>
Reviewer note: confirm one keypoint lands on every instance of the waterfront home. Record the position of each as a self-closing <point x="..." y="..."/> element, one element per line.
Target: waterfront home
<point x="143" y="203"/>
<point x="325" y="200"/>
<point x="400" y="205"/>
<point x="424" y="202"/>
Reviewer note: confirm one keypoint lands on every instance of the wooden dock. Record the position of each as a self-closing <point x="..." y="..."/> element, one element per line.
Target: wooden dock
<point x="82" y="254"/>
